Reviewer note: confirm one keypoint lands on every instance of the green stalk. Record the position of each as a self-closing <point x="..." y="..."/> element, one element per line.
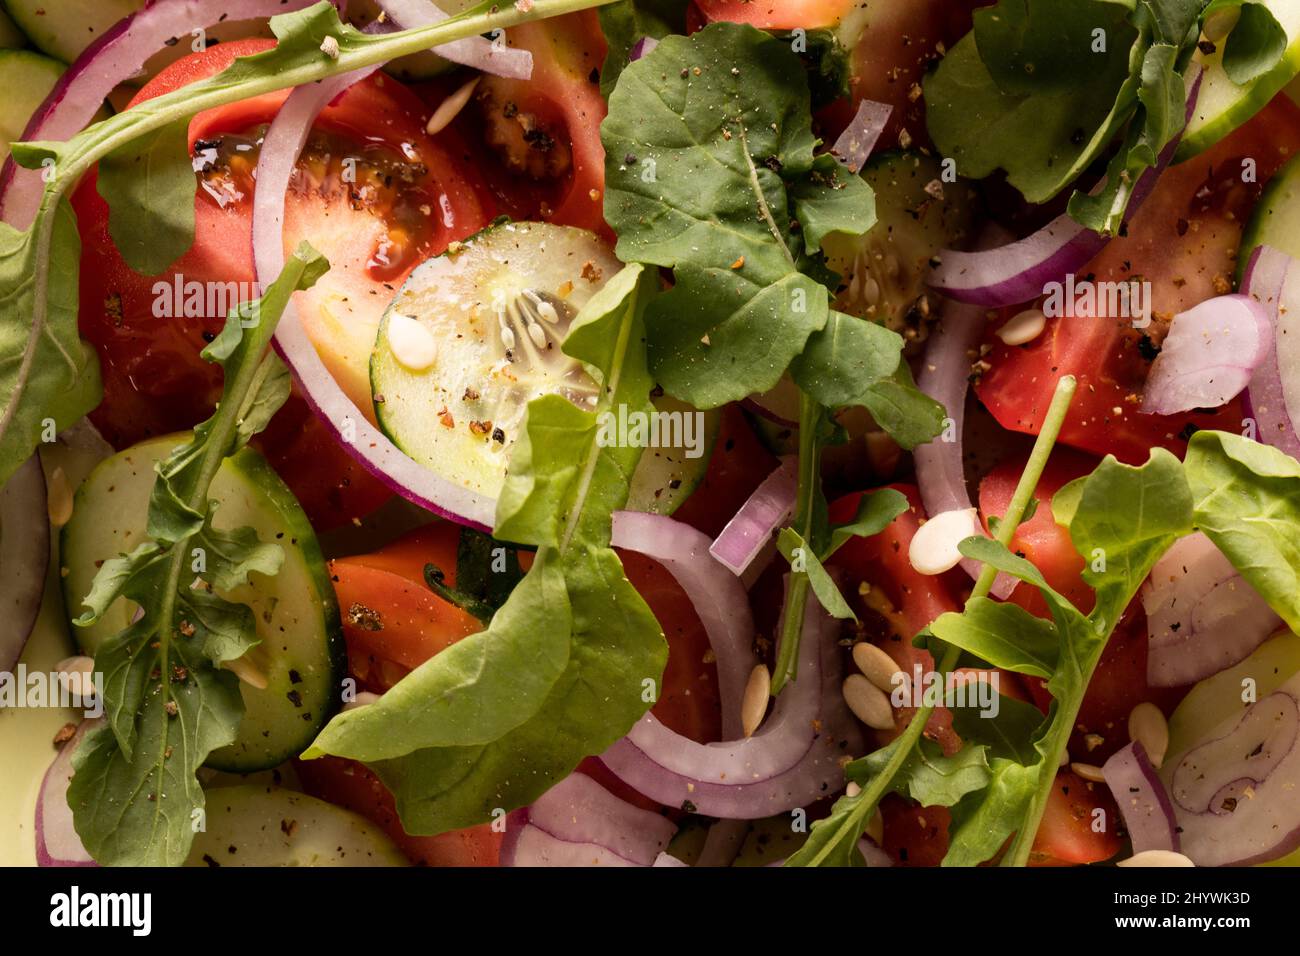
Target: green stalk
<point x="911" y="735"/>
<point x="796" y="599"/>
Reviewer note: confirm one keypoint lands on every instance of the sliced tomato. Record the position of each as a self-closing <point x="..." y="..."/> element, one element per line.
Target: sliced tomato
<point x="373" y="192"/>
<point x="737" y="467"/>
<point x="1040" y="539"/>
<point x="1184" y="242"/>
<point x="536" y="142"/>
<point x="778" y="14"/>
<point x="1079" y="824"/>
<point x="914" y="835"/>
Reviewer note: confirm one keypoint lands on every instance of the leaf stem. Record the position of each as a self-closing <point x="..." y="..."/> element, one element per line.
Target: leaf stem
<point x="881" y="784"/>
<point x="796" y="599"/>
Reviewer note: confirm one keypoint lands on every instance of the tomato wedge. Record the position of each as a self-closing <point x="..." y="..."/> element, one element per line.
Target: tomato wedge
<point x="1184" y="242"/>
<point x="372" y="192"/>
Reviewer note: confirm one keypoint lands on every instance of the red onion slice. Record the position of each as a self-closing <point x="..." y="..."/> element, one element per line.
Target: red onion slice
<point x="1017" y="272"/>
<point x="114" y="58"/>
<point x="1202" y="615"/>
<point x="580" y="823"/>
<point x="859" y="138"/>
<point x="792" y="760"/>
<point x="1235" y="795"/>
<point x="1210" y="355"/>
<point x="751" y="530"/>
<point x="1142" y="799"/>
<point x="24" y="557"/>
<point x="475" y="52"/>
<point x="57" y="843"/>
<point x="718" y="597"/>
<point x="940" y="464"/>
<point x="404" y="476"/>
<point x="640" y="48"/>
<point x="1273" y="396"/>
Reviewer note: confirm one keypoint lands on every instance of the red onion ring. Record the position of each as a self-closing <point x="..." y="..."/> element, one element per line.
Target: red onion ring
<point x="945" y="377"/>
<point x="1017" y="272"/>
<point x="859" y="138"/>
<point x="1266" y="280"/>
<point x="1142" y="799"/>
<point x="111" y="60"/>
<point x="475" y="52"/>
<point x="367" y="444"/>
<point x="580" y="823"/>
<point x="1234" y="794"/>
<point x="767" y="509"/>
<point x="1202" y="615"/>
<point x="24" y="557"/>
<point x="57" y="843"/>
<point x="792" y="760"/>
<point x="717" y="596"/>
<point x="641" y="47"/>
<point x="1209" y="356"/>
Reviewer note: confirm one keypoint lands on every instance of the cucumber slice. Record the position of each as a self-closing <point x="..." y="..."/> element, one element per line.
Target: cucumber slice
<point x="1222" y="105"/>
<point x="301" y="654"/>
<point x="883" y="272"/>
<point x="11" y="38"/>
<point x="478" y="335"/>
<point x="266" y="826"/>
<point x="1276" y="219"/>
<point x="28" y="77"/>
<point x="64" y="28"/>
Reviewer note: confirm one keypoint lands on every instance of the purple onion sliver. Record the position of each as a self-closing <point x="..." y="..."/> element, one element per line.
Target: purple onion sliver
<point x="752" y="527"/>
<point x="1142" y="799"/>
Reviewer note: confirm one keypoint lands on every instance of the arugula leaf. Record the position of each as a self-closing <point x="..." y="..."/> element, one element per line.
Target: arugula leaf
<point x="804" y="560"/>
<point x="926" y="775"/>
<point x="481" y="587"/>
<point x="1041" y="88"/>
<point x="525" y="726"/>
<point x="626" y="22"/>
<point x="167" y="703"/>
<point x="1247" y="501"/>
<point x="1256" y="44"/>
<point x="719" y="124"/>
<point x="149" y="187"/>
<point x="47" y="371"/>
<point x="855" y="362"/>
<point x="1006" y="735"/>
<point x="876" y="511"/>
<point x="1121" y="518"/>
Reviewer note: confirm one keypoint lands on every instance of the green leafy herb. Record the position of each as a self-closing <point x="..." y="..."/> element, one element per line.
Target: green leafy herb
<point x="46" y="372"/>
<point x="832" y="840"/>
<point x="486" y="724"/>
<point x="720" y="127"/>
<point x="1257" y="41"/>
<point x="486" y="574"/>
<point x="149" y="187"/>
<point x="167" y="703"/>
<point x="1122" y="518"/>
<point x="624" y="23"/>
<point x="1041" y="88"/>
<point x="1247" y="499"/>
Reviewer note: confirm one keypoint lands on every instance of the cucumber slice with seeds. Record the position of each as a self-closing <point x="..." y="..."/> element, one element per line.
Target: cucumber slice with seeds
<point x="883" y="273"/>
<point x="301" y="657"/>
<point x="475" y="334"/>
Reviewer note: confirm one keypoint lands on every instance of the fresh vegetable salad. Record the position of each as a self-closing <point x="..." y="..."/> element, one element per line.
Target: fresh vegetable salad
<point x="650" y="433"/>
